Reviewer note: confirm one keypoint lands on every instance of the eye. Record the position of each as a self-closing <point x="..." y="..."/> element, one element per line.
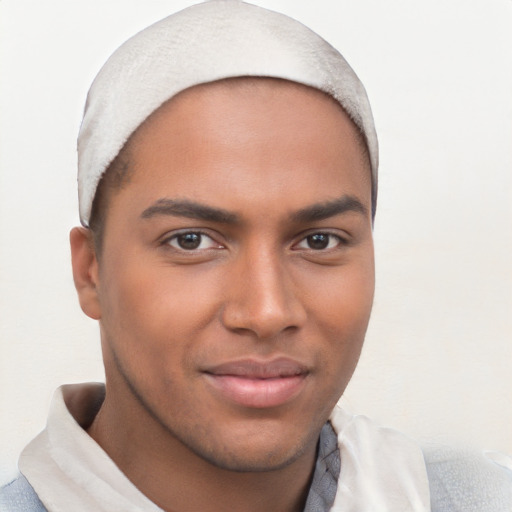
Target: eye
<point x="319" y="241"/>
<point x="192" y="241"/>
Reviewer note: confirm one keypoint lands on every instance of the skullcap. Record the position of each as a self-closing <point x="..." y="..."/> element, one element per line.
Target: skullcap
<point x="206" y="42"/>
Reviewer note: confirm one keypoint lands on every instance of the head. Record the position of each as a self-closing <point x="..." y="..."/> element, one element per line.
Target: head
<point x="242" y="237"/>
<point x="231" y="268"/>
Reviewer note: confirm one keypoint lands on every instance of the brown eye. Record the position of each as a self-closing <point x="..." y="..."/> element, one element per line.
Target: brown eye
<point x="320" y="241"/>
<point x="191" y="241"/>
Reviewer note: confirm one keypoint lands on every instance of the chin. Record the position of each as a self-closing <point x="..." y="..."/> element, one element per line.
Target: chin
<point x="243" y="461"/>
<point x="253" y="449"/>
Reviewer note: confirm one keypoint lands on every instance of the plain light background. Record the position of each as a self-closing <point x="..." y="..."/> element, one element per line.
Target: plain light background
<point x="437" y="363"/>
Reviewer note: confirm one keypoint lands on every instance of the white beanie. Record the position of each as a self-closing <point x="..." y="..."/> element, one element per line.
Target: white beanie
<point x="203" y="43"/>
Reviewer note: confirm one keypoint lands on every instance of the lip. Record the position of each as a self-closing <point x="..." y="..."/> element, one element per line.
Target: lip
<point x="258" y="384"/>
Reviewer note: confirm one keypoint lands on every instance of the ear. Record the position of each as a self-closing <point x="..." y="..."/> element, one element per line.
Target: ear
<point x="85" y="271"/>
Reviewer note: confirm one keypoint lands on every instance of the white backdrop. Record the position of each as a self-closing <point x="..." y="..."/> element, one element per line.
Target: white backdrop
<point x="438" y="357"/>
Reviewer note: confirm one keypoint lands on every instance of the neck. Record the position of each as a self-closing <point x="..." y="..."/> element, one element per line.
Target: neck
<point x="170" y="474"/>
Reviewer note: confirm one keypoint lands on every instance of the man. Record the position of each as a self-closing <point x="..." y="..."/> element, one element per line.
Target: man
<point x="228" y="182"/>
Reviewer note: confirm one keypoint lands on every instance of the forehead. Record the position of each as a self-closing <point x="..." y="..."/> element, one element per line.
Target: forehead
<point x="239" y="104"/>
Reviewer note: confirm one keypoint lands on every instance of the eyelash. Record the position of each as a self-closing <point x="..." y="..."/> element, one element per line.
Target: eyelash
<point x="202" y="235"/>
<point x="340" y="241"/>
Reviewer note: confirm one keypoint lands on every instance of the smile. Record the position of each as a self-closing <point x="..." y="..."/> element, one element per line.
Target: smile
<point x="258" y="385"/>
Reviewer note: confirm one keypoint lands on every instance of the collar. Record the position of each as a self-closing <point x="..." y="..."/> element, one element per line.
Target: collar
<point x="68" y="469"/>
<point x="381" y="469"/>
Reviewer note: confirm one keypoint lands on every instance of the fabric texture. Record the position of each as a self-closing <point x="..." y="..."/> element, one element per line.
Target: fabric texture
<point x="204" y="43"/>
<point x="381" y="469"/>
<point x="462" y="480"/>
<point x="327" y="471"/>
<point x="19" y="496"/>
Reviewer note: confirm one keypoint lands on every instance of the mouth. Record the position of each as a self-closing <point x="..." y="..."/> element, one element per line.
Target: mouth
<point x="256" y="384"/>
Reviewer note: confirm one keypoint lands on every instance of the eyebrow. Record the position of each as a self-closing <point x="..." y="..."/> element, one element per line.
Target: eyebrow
<point x="321" y="211"/>
<point x="189" y="209"/>
<point x="193" y="210"/>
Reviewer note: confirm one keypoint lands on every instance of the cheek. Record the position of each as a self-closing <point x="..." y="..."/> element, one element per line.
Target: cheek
<point x="343" y="306"/>
<point x="156" y="310"/>
<point x="343" y="296"/>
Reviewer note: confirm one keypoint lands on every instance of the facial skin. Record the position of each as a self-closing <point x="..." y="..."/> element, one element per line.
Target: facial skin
<point x="233" y="290"/>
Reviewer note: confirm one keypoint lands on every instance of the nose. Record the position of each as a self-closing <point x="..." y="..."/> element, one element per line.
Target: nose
<point x="262" y="298"/>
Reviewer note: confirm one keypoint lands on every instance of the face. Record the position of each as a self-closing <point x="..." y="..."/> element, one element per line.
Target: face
<point x="236" y="276"/>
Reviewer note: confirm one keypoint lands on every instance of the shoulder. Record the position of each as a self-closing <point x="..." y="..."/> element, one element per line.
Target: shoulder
<point x="465" y="481"/>
<point x="19" y="496"/>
